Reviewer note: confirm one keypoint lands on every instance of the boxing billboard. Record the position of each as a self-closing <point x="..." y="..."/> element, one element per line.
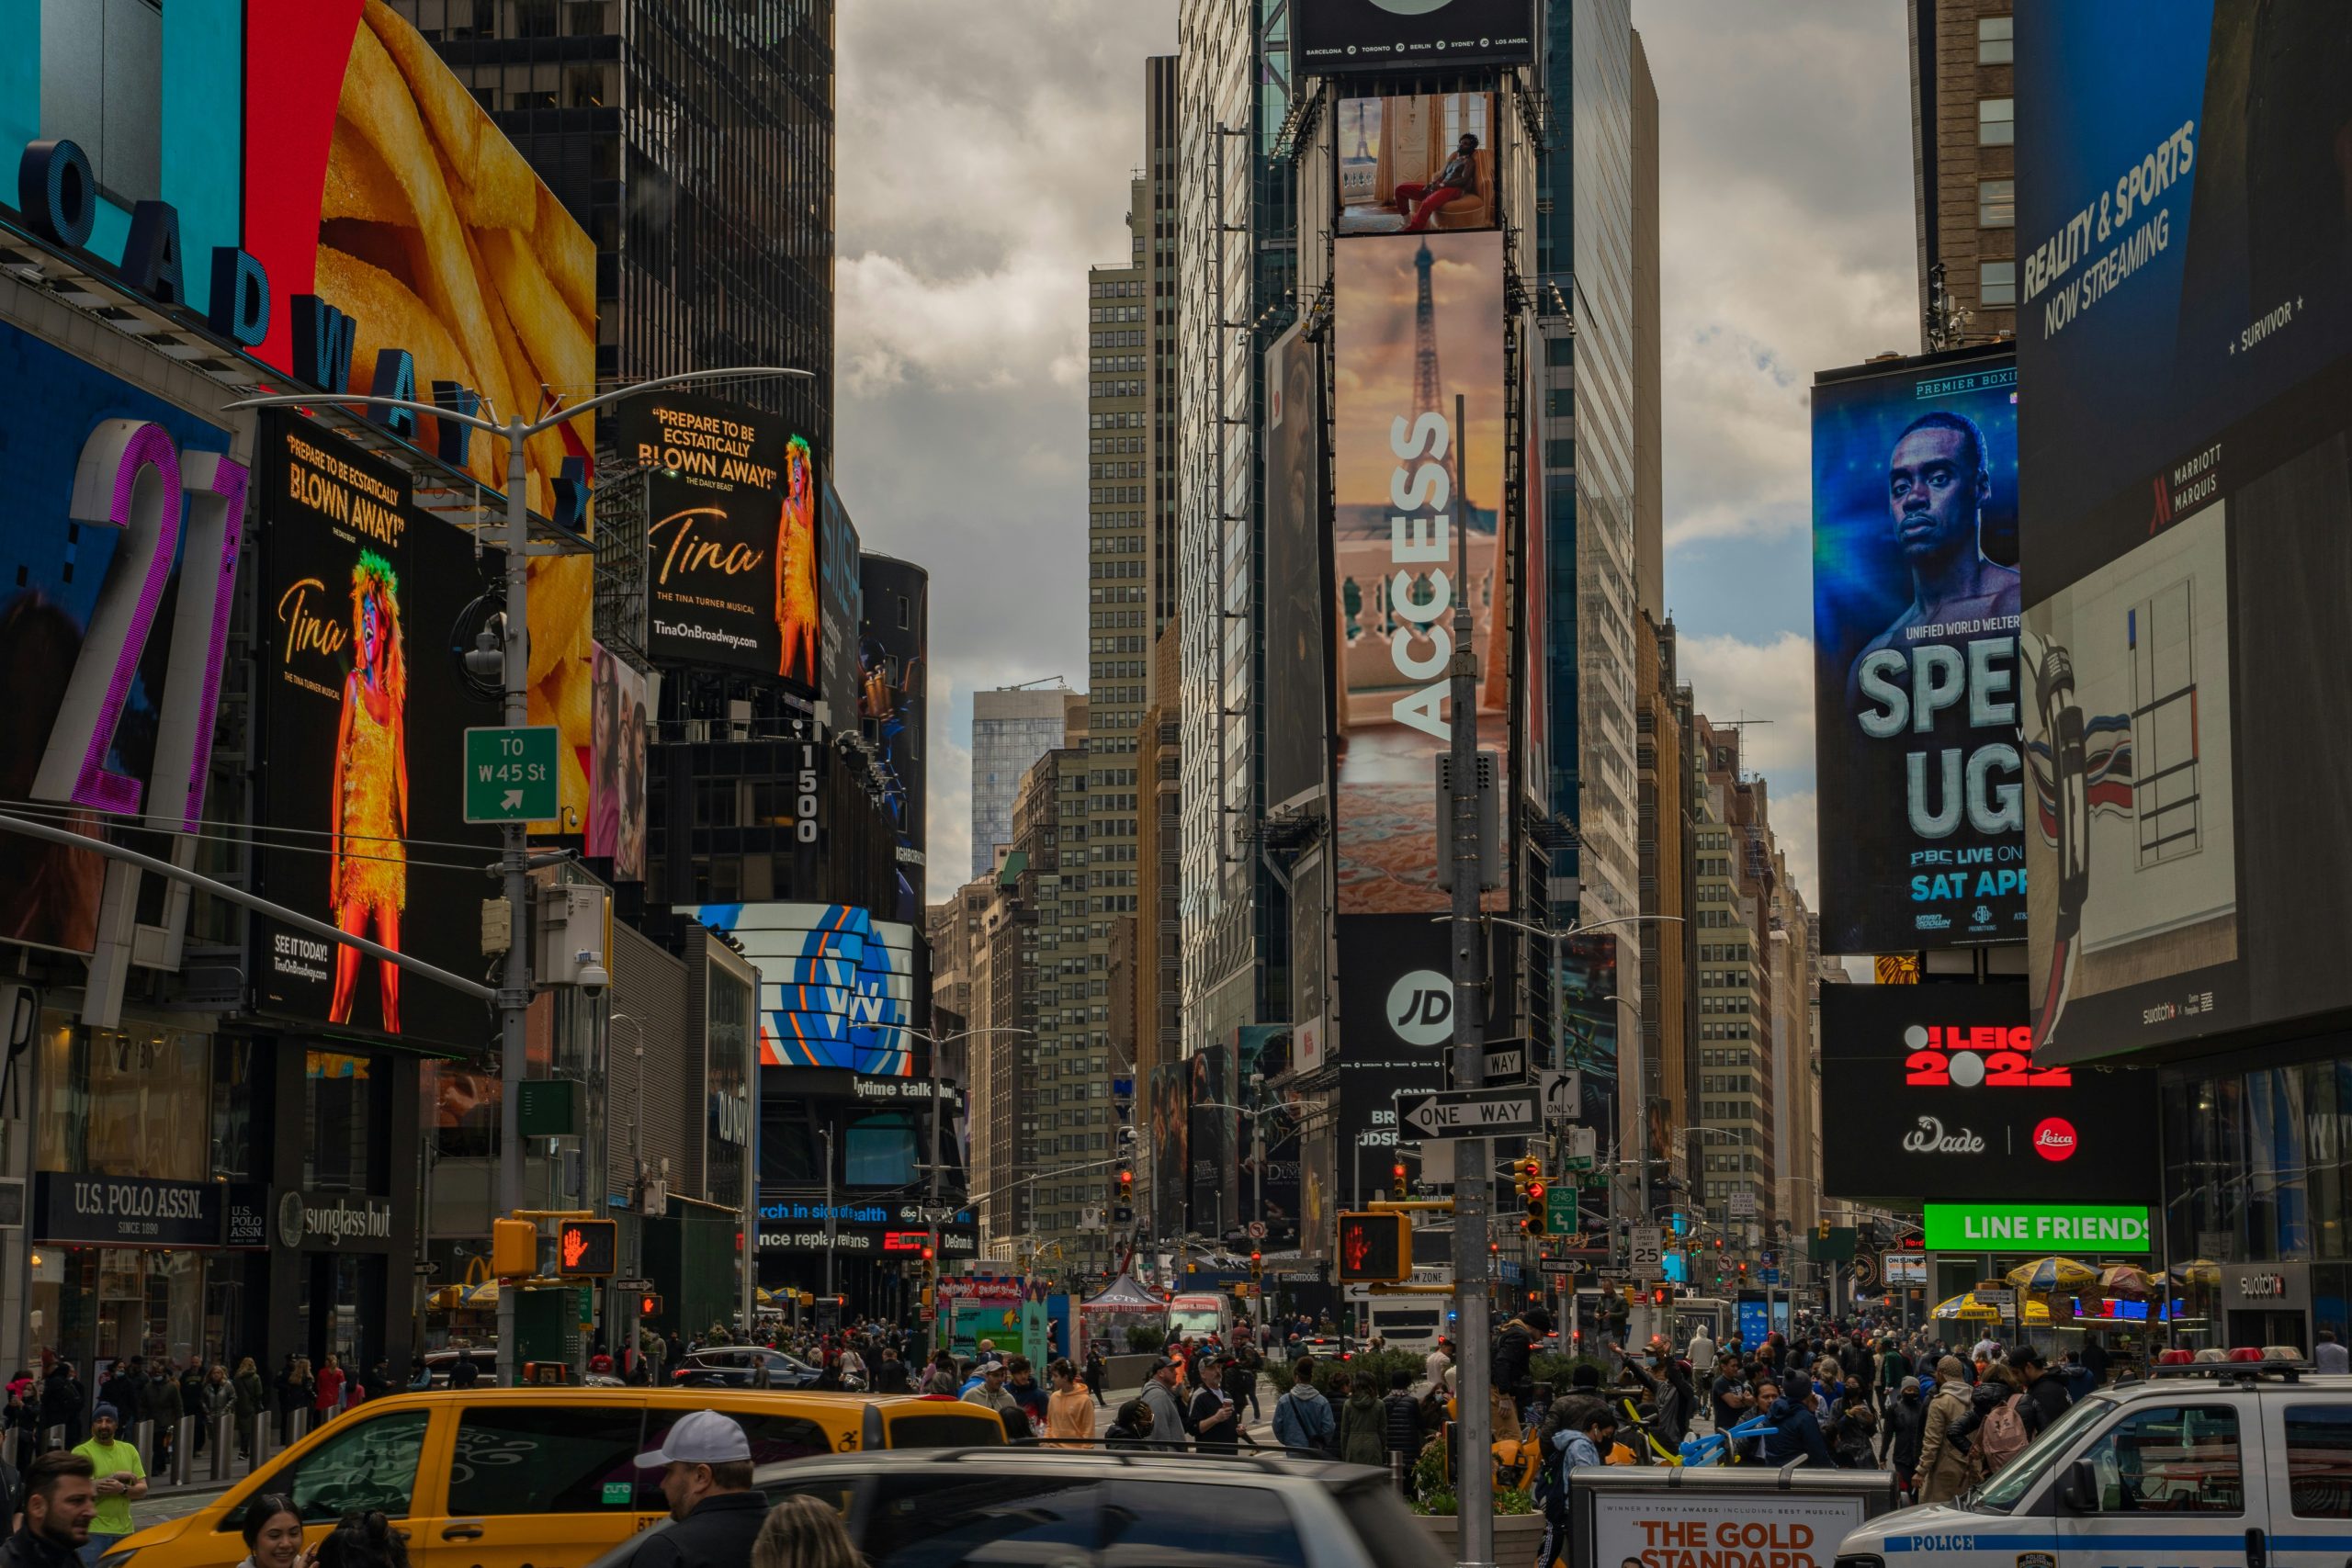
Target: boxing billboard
<point x="1915" y="612"/>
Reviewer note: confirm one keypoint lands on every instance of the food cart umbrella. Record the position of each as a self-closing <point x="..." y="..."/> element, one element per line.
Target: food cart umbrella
<point x="2051" y="1274"/>
<point x="2197" y="1271"/>
<point x="2123" y="1278"/>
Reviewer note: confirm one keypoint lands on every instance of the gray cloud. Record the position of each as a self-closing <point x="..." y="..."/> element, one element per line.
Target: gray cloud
<point x="983" y="163"/>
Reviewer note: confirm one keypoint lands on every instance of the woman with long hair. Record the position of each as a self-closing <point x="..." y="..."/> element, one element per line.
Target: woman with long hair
<point x="367" y="870"/>
<point x="273" y="1532"/>
<point x="802" y="1532"/>
<point x="795" y="567"/>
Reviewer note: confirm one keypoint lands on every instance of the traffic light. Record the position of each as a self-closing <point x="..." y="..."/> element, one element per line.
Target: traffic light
<point x="1257" y="1265"/>
<point x="1396" y="1181"/>
<point x="1822" y="1231"/>
<point x="1127" y="1183"/>
<point x="649" y="1306"/>
<point x="588" y="1248"/>
<point x="1375" y="1248"/>
<point x="1531" y="1192"/>
<point x="513" y="1248"/>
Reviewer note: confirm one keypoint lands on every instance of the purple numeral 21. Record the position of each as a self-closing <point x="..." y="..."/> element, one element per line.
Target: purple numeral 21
<point x="130" y="477"/>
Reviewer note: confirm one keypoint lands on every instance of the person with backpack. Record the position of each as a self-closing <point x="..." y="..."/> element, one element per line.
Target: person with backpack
<point x="1574" y="1431"/>
<point x="2001" y="1433"/>
<point x="1900" y="1426"/>
<point x="2046" y="1393"/>
<point x="1303" y="1421"/>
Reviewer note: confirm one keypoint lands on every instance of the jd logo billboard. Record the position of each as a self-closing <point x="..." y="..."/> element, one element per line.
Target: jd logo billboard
<point x="1420" y="1007"/>
<point x="2037" y="1227"/>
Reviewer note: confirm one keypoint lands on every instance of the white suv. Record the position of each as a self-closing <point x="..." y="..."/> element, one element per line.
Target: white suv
<point x="2223" y="1462"/>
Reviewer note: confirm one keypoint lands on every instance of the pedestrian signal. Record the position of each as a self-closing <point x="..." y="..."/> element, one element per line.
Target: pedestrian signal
<point x="588" y="1248"/>
<point x="649" y="1306"/>
<point x="1376" y="1248"/>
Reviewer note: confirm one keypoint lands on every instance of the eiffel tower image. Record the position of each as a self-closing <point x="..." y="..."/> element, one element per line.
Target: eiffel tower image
<point x="1427" y="396"/>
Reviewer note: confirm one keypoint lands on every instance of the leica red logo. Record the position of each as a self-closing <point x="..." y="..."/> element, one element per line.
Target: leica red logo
<point x="2054" y="1139"/>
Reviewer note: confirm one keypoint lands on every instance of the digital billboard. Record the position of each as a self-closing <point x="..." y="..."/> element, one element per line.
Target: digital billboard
<point x="1916" y="677"/>
<point x="1349" y="37"/>
<point x="1311" y="961"/>
<point x="1939" y="1098"/>
<point x="840" y="610"/>
<point x="837" y="985"/>
<point x="2182" y="225"/>
<point x="731" y="536"/>
<point x="1170" y="1136"/>
<point x="2183" y="301"/>
<point x="1589" y="1011"/>
<point x="1395" y="993"/>
<point x="1535" y="589"/>
<point x="1418" y="331"/>
<point x="894" y="706"/>
<point x="374" y="180"/>
<point x="1214" y="1143"/>
<point x="1413" y="163"/>
<point x="109" y="670"/>
<point x="365" y="711"/>
<point x="623" y="718"/>
<point x="1297" y="640"/>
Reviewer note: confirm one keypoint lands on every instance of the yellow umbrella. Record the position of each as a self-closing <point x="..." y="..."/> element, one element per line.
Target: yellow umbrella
<point x="2051" y="1274"/>
<point x="2037" y="1313"/>
<point x="2124" y="1280"/>
<point x="2197" y="1271"/>
<point x="1966" y="1308"/>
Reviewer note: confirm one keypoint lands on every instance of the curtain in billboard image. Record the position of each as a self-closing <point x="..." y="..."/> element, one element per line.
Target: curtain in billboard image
<point x="1418" y="333"/>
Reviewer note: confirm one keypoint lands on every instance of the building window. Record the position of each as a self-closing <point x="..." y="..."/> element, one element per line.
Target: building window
<point x="1996" y="283"/>
<point x="1996" y="41"/>
<point x="1996" y="204"/>
<point x="1997" y="122"/>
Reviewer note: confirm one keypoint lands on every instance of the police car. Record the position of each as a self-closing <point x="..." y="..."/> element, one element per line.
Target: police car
<point x="2244" y="1463"/>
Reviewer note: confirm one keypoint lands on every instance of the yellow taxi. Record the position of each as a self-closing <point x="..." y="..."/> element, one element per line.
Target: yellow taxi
<point x="505" y="1477"/>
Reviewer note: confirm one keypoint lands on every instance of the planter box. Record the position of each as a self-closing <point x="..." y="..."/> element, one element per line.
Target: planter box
<point x="1518" y="1537"/>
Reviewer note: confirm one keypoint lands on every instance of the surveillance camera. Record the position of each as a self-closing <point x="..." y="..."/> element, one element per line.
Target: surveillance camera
<point x="486" y="660"/>
<point x="592" y="979"/>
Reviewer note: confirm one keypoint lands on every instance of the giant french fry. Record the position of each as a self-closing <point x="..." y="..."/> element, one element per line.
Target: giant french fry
<point x="546" y="448"/>
<point x="388" y="315"/>
<point x="569" y="257"/>
<point x="377" y="103"/>
<point x="359" y="185"/>
<point x="564" y="355"/>
<point x="495" y="187"/>
<point x="561" y="590"/>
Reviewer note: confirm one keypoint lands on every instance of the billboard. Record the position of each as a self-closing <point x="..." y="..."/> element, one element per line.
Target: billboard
<point x="1297" y="726"/>
<point x="1940" y="1100"/>
<point x="1310" y="963"/>
<point x="108" y="673"/>
<point x="1419" y="329"/>
<point x="894" y="706"/>
<point x="1916" y="678"/>
<point x="1417" y="161"/>
<point x="1214" y="1142"/>
<point x="2182" y="225"/>
<point x="374" y="180"/>
<point x="1588" y="1022"/>
<point x="731" y="536"/>
<point x="1396" y="992"/>
<point x="622" y="720"/>
<point x="837" y="985"/>
<point x="364" y="709"/>
<point x="1347" y="38"/>
<point x="840" y="610"/>
<point x="1535" y="587"/>
<point x="1170" y="1156"/>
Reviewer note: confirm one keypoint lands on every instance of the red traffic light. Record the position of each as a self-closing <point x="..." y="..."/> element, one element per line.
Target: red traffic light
<point x="1534" y="1190"/>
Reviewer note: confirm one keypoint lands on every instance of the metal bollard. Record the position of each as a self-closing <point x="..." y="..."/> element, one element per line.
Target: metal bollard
<point x="224" y="1436"/>
<point x="142" y="1438"/>
<point x="52" y="1437"/>
<point x="184" y="1450"/>
<point x="264" y="1433"/>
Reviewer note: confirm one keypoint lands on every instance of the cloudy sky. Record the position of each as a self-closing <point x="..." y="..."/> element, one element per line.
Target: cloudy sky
<point x="983" y="167"/>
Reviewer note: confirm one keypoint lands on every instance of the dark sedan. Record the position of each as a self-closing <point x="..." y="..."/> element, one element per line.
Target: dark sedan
<point x="738" y="1366"/>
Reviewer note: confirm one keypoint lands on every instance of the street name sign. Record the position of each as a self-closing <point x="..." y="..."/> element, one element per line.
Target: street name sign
<point x="1478" y="1113"/>
<point x="510" y="773"/>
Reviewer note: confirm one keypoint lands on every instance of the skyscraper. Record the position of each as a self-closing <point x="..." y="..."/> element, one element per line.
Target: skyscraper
<point x="1964" y="162"/>
<point x="1011" y="727"/>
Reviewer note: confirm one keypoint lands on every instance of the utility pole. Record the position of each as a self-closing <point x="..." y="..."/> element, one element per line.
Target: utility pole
<point x="514" y="996"/>
<point x="1473" y="1173"/>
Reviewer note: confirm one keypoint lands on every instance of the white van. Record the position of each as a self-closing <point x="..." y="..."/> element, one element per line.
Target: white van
<point x="1408" y="1323"/>
<point x="2245" y="1464"/>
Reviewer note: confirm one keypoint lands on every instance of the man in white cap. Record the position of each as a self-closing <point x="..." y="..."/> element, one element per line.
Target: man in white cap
<point x="706" y="1465"/>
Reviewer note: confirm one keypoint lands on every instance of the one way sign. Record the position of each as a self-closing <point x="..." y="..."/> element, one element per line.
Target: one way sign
<point x="1478" y="1113"/>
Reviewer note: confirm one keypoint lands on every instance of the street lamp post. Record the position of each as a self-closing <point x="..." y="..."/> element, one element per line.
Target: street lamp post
<point x="933" y="1212"/>
<point x="515" y="995"/>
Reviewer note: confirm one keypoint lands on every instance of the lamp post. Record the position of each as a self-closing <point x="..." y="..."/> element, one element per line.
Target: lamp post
<point x="514" y="994"/>
<point x="934" y="1214"/>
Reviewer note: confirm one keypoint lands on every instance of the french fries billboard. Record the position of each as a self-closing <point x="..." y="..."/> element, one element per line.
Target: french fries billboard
<point x="375" y="182"/>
